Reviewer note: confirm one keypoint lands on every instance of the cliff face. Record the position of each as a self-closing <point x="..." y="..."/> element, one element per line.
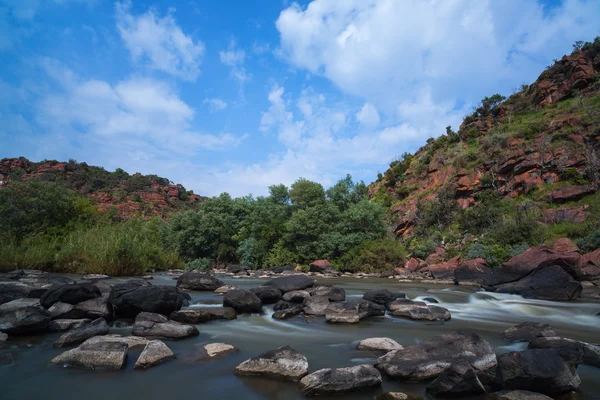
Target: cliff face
<point x="119" y="193"/>
<point x="543" y="140"/>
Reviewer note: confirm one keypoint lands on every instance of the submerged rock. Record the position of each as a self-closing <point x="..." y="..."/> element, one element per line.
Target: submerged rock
<point x="198" y="281"/>
<point x="428" y="359"/>
<point x="527" y="331"/>
<point x="154" y="353"/>
<point x="352" y="311"/>
<point x="289" y="283"/>
<point x="330" y="381"/>
<point x="284" y="363"/>
<point x="379" y="344"/>
<point x="242" y="301"/>
<point x="225" y="288"/>
<point x="94" y="356"/>
<point x="398" y="396"/>
<point x="460" y="379"/>
<point x="157" y="325"/>
<point x="518" y="395"/>
<point x="80" y="334"/>
<point x="201" y="315"/>
<point x="8" y="358"/>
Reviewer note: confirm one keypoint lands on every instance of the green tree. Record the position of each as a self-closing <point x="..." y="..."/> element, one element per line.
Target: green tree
<point x="305" y="193"/>
<point x="347" y="192"/>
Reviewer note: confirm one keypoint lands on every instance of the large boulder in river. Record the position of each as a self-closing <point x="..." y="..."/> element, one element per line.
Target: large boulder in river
<point x="569" y="349"/>
<point x="284" y="363"/>
<point x="131" y="298"/>
<point x="316" y="305"/>
<point x="352" y="311"/>
<point x="381" y="296"/>
<point x="95" y="356"/>
<point x="333" y="293"/>
<point x="417" y="310"/>
<point x="428" y="359"/>
<point x="460" y="379"/>
<point x="95" y="308"/>
<point x="549" y="283"/>
<point x="267" y="294"/>
<point x="23" y="318"/>
<point x="539" y="370"/>
<point x="10" y="291"/>
<point x="473" y="271"/>
<point x="321" y="266"/>
<point x="70" y="294"/>
<point x="242" y="301"/>
<point x="59" y="325"/>
<point x="332" y="381"/>
<point x="201" y="315"/>
<point x="198" y="281"/>
<point x="296" y="296"/>
<point x="527" y="331"/>
<point x="157" y="325"/>
<point x="154" y="353"/>
<point x="77" y="335"/>
<point x="293" y="282"/>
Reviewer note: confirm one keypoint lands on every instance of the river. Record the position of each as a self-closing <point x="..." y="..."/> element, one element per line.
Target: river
<point x="324" y="345"/>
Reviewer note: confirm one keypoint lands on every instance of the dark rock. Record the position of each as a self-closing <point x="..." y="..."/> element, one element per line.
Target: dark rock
<point x="201" y="315"/>
<point x="70" y="294"/>
<point x="96" y="308"/>
<point x="569" y="349"/>
<point x="518" y="395"/>
<point x="352" y="311"/>
<point x="157" y="325"/>
<point x="8" y="358"/>
<point x="428" y="359"/>
<point x="332" y="381"/>
<point x="417" y="310"/>
<point x="10" y="291"/>
<point x="549" y="283"/>
<point x="267" y="294"/>
<point x="430" y="300"/>
<point x="527" y="331"/>
<point x="296" y="296"/>
<point x="321" y="266"/>
<point x="131" y="298"/>
<point x="235" y="269"/>
<point x="284" y="268"/>
<point x="24" y="320"/>
<point x="288" y="312"/>
<point x="316" y="305"/>
<point x="333" y="293"/>
<point x="77" y="335"/>
<point x="460" y="379"/>
<point x="59" y="325"/>
<point x="539" y="370"/>
<point x="398" y="396"/>
<point x="380" y="296"/>
<point x="95" y="356"/>
<point x="198" y="281"/>
<point x="475" y="270"/>
<point x="283" y="363"/>
<point x="283" y="305"/>
<point x="289" y="283"/>
<point x="242" y="301"/>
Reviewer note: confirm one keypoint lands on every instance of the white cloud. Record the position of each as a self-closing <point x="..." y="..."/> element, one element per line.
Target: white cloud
<point x="215" y="104"/>
<point x="159" y="41"/>
<point x="368" y="116"/>
<point x="235" y="59"/>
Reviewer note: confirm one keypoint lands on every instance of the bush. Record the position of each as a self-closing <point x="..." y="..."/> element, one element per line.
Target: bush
<point x="494" y="254"/>
<point x="199" y="264"/>
<point x="589" y="243"/>
<point x="373" y="256"/>
<point x="421" y="247"/>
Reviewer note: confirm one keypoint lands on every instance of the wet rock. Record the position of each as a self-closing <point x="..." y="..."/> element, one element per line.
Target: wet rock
<point x="518" y="395"/>
<point x="428" y="359"/>
<point x="398" y="396"/>
<point x="95" y="356"/>
<point x="59" y="325"/>
<point x="288" y="312"/>
<point x="8" y="358"/>
<point x="527" y="331"/>
<point x="474" y="271"/>
<point x="69" y="293"/>
<point x="130" y="341"/>
<point x="201" y="315"/>
<point x="539" y="370"/>
<point x="10" y="291"/>
<point x="380" y="296"/>
<point x="267" y="294"/>
<point x="157" y="325"/>
<point x="549" y="283"/>
<point x="3" y="337"/>
<point x="61" y="310"/>
<point x="80" y="334"/>
<point x="352" y="311"/>
<point x="430" y="300"/>
<point x="418" y="310"/>
<point x="94" y="277"/>
<point x="321" y="266"/>
<point x="242" y="301"/>
<point x="379" y="344"/>
<point x="296" y="296"/>
<point x="333" y="293"/>
<point x="24" y="320"/>
<point x="330" y="381"/>
<point x="131" y="298"/>
<point x="96" y="308"/>
<point x="198" y="281"/>
<point x="283" y="363"/>
<point x="569" y="348"/>
<point x="460" y="379"/>
<point x="316" y="305"/>
<point x="18" y="304"/>
<point x="283" y="305"/>
<point x="154" y="353"/>
<point x="289" y="283"/>
<point x="224" y="289"/>
<point x="219" y="349"/>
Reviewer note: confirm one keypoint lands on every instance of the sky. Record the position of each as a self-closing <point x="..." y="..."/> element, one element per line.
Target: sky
<point x="234" y="96"/>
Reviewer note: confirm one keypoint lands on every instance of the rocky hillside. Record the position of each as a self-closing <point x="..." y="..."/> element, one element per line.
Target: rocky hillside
<point x="533" y="155"/>
<point x="118" y="192"/>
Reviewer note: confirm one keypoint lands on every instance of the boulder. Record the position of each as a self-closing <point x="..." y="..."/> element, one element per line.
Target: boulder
<point x="201" y="315"/>
<point x="69" y="293"/>
<point x="95" y="356"/>
<point x="19" y="304"/>
<point x="96" y="308"/>
<point x="59" y="325"/>
<point x="316" y="305"/>
<point x="539" y="370"/>
<point x="473" y="271"/>
<point x="321" y="266"/>
<point x="10" y="291"/>
<point x="130" y="298"/>
<point x="130" y="341"/>
<point x="242" y="301"/>
<point x="333" y="293"/>
<point x="564" y="245"/>
<point x="444" y="270"/>
<point x="288" y="312"/>
<point x="284" y="268"/>
<point x="413" y="265"/>
<point x="24" y="320"/>
<point x="428" y="359"/>
<point x="417" y="310"/>
<point x="283" y="363"/>
<point x="589" y="266"/>
<point x="569" y="348"/>
<point x="296" y="296"/>
<point x="154" y="353"/>
<point x="157" y="325"/>
<point x="460" y="379"/>
<point x="219" y="349"/>
<point x="571" y="193"/>
<point x="61" y="310"/>
<point x="549" y="283"/>
<point x="267" y="294"/>
<point x="381" y="296"/>
<point x="80" y="334"/>
<point x="527" y="331"/>
<point x="289" y="283"/>
<point x="352" y="311"/>
<point x="198" y="281"/>
<point x="518" y="395"/>
<point x="379" y="344"/>
<point x="333" y="381"/>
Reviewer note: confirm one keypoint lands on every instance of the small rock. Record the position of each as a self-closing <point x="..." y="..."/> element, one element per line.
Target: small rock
<point x="315" y="305"/>
<point x="198" y="281"/>
<point x="527" y="331"/>
<point x="224" y="289"/>
<point x="284" y="363"/>
<point x="80" y="334"/>
<point x="157" y="325"/>
<point x="330" y="381"/>
<point x="289" y="283"/>
<point x="398" y="396"/>
<point x="23" y="320"/>
<point x="296" y="296"/>
<point x="430" y="300"/>
<point x="93" y="277"/>
<point x="59" y="325"/>
<point x="518" y="395"/>
<point x="95" y="356"/>
<point x="417" y="310"/>
<point x="3" y="337"/>
<point x="201" y="315"/>
<point x="379" y="344"/>
<point x="95" y="308"/>
<point x="219" y="349"/>
<point x="352" y="311"/>
<point x="154" y="353"/>
<point x="288" y="312"/>
<point x="62" y="310"/>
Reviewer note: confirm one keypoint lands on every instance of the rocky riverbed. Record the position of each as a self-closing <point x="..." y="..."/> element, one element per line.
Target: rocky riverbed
<point x="225" y="337"/>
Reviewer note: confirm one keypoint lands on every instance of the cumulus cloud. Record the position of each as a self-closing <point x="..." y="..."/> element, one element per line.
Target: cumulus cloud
<point x="235" y="58"/>
<point x="159" y="42"/>
<point x="368" y="116"/>
<point x="215" y="104"/>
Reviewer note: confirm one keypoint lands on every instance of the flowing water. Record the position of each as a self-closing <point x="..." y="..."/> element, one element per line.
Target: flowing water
<point x="325" y="345"/>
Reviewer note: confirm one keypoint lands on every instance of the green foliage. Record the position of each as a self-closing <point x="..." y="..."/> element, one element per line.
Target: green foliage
<point x="305" y="193"/>
<point x="373" y="255"/>
<point x="439" y="212"/>
<point x="199" y="264"/>
<point x="421" y="247"/>
<point x="571" y="174"/>
<point x="280" y="255"/>
<point x="494" y="254"/>
<point x="248" y="252"/>
<point x="590" y="242"/>
<point x="346" y="192"/>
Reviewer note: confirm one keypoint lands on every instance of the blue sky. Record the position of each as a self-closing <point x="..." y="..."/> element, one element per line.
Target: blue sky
<point x="237" y="95"/>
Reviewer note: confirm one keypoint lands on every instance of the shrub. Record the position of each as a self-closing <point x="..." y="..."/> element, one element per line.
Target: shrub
<point x="199" y="264"/>
<point x="494" y="254"/>
<point x="421" y="247"/>
<point x="373" y="255"/>
<point x="590" y="242"/>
